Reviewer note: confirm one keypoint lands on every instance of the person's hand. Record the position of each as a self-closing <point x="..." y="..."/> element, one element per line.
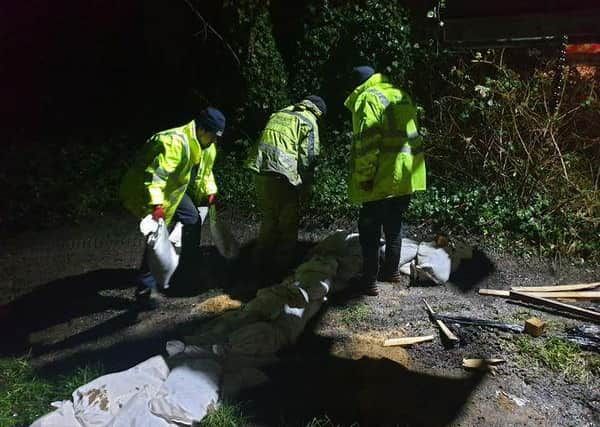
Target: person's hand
<point x="212" y="199"/>
<point x="158" y="212"/>
<point x="366" y="186"/>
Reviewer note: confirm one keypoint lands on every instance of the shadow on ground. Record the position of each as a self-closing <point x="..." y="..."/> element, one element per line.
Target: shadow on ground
<point x="60" y="301"/>
<point x="310" y="383"/>
<point x="471" y="272"/>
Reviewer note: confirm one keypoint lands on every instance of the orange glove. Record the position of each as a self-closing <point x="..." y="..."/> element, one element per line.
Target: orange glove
<point x="159" y="212"/>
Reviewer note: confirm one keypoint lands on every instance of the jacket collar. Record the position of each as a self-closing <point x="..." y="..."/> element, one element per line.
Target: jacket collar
<point x="195" y="147"/>
<point x="374" y="80"/>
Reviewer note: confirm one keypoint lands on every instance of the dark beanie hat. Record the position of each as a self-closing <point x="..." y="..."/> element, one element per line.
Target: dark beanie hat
<point x="212" y="120"/>
<point x="319" y="103"/>
<point x="361" y="74"/>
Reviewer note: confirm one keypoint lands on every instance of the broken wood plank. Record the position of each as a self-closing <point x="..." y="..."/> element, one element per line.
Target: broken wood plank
<point x="531" y="298"/>
<point x="479" y="322"/>
<point x="407" y="340"/>
<point x="480" y="363"/>
<point x="556" y="288"/>
<point x="534" y="326"/>
<point x="588" y="295"/>
<point x="445" y="330"/>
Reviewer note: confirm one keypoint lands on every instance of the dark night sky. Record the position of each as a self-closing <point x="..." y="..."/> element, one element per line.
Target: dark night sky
<point x="73" y="62"/>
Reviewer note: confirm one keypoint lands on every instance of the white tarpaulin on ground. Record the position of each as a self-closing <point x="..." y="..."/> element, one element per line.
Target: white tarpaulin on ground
<point x="147" y="395"/>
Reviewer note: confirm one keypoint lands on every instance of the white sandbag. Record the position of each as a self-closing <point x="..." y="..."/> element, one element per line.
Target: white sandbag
<point x="433" y="263"/>
<point x="226" y="244"/>
<point x="176" y="237"/>
<point x="162" y="257"/>
<point x="240" y="379"/>
<point x="260" y="338"/>
<point x="408" y="252"/>
<point x="190" y="391"/>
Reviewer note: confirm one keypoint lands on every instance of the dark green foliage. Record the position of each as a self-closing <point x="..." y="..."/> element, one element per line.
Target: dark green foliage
<point x="531" y="173"/>
<point x="263" y="72"/>
<point x="339" y="37"/>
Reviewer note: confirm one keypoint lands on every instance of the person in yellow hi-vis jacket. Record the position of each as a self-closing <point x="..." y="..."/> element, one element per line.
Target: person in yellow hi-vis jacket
<point x="284" y="161"/>
<point x="387" y="166"/>
<point x="170" y="177"/>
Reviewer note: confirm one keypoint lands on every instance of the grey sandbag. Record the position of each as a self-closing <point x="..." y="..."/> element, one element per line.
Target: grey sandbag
<point x="226" y="244"/>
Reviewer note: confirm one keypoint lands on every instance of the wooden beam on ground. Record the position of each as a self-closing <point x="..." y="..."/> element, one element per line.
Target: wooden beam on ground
<point x="494" y="292"/>
<point x="407" y="340"/>
<point x="532" y="299"/>
<point x="557" y="288"/>
<point x="588" y="295"/>
<point x="480" y="363"/>
<point x="445" y="330"/>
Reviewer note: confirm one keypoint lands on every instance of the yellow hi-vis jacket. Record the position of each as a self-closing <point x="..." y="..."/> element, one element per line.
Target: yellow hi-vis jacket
<point x="161" y="173"/>
<point x="289" y="144"/>
<point x="387" y="149"/>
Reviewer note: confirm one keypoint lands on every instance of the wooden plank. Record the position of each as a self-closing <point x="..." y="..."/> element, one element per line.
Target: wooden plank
<point x="445" y="330"/>
<point x="557" y="288"/>
<point x="531" y="298"/>
<point x="589" y="295"/>
<point x="407" y="340"/>
<point x="479" y="363"/>
<point x="494" y="292"/>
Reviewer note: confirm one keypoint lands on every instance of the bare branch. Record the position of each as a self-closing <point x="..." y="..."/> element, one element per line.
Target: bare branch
<point x="212" y="30"/>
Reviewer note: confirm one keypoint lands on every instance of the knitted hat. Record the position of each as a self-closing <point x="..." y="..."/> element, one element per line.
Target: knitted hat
<point x="361" y="74"/>
<point x="212" y="120"/>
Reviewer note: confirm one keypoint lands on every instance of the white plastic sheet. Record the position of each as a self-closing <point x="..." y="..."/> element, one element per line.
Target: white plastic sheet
<point x="147" y="395"/>
<point x="188" y="393"/>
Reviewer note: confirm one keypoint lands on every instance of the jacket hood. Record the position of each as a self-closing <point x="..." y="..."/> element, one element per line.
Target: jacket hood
<point x="374" y="80"/>
<point x="305" y="104"/>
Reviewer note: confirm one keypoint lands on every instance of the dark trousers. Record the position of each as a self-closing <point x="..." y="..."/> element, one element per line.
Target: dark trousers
<point x="278" y="202"/>
<point x="187" y="214"/>
<point x="386" y="213"/>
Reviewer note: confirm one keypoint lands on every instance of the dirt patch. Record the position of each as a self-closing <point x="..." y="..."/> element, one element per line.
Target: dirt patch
<point x="357" y="346"/>
<point x="97" y="395"/>
<point x="85" y="312"/>
<point x="217" y="305"/>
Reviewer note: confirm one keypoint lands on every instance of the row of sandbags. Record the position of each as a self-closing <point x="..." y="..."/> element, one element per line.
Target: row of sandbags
<point x="225" y="356"/>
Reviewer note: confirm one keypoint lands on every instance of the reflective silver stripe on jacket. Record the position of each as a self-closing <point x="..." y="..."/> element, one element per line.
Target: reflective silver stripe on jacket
<point x="160" y="175"/>
<point x="379" y="95"/>
<point x="406" y="149"/>
<point x="311" y="134"/>
<point x="286" y="159"/>
<point x="413" y="135"/>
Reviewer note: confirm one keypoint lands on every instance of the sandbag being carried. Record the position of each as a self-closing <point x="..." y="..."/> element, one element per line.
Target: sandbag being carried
<point x="226" y="244"/>
<point x="162" y="257"/>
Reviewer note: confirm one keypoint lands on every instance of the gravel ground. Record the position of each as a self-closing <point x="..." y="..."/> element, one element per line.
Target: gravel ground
<point x="71" y="291"/>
